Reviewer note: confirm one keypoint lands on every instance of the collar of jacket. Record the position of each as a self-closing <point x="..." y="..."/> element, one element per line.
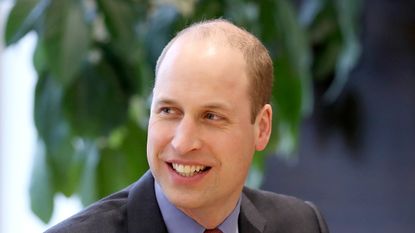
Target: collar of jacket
<point x="144" y="215"/>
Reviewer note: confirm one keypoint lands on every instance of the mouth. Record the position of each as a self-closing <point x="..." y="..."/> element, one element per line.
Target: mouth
<point x="186" y="170"/>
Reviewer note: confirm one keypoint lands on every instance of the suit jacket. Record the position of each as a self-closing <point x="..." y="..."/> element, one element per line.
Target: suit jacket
<point x="135" y="210"/>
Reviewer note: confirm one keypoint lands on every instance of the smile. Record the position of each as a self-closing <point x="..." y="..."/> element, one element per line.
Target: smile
<point x="188" y="170"/>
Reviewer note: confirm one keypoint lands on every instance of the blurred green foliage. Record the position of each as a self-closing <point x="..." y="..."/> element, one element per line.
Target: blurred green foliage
<point x="95" y="60"/>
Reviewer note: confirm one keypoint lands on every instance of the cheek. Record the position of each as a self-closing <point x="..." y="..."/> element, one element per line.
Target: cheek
<point x="241" y="150"/>
<point x="156" y="141"/>
<point x="236" y="149"/>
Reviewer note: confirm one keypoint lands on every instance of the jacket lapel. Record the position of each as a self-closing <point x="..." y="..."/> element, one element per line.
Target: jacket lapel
<point x="250" y="219"/>
<point x="144" y="214"/>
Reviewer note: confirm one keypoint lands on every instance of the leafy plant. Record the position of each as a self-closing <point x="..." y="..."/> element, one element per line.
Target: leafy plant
<point x="95" y="59"/>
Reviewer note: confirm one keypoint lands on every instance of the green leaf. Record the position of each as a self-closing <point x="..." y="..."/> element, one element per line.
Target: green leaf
<point x="348" y="14"/>
<point x="208" y="9"/>
<point x="139" y="110"/>
<point x="326" y="40"/>
<point x="109" y="177"/>
<point x="287" y="96"/>
<point x="269" y="31"/>
<point x="309" y="10"/>
<point x="95" y="103"/>
<point x="325" y="60"/>
<point x="134" y="149"/>
<point x="88" y="187"/>
<point x="244" y="14"/>
<point x="257" y="169"/>
<point x="295" y="45"/>
<point x="128" y="157"/>
<point x="41" y="186"/>
<point x="56" y="135"/>
<point x="292" y="94"/>
<point x="22" y="19"/>
<point x="255" y="175"/>
<point x="64" y="162"/>
<point x="126" y="26"/>
<point x="40" y="61"/>
<point x="47" y="110"/>
<point x="120" y="20"/>
<point x="66" y="38"/>
<point x="160" y="30"/>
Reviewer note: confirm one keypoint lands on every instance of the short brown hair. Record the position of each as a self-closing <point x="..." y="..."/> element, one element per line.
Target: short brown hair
<point x="257" y="58"/>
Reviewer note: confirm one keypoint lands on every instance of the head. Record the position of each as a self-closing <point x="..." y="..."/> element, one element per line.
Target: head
<point x="258" y="62"/>
<point x="209" y="115"/>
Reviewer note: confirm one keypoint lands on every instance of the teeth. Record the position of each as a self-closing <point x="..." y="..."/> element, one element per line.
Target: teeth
<point x="187" y="170"/>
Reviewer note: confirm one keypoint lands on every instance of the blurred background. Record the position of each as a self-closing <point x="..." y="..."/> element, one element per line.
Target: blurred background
<point x="75" y="78"/>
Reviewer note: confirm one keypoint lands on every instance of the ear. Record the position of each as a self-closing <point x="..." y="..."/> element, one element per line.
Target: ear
<point x="263" y="125"/>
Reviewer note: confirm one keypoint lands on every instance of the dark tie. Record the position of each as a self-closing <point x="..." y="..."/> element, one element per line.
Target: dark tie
<point x="216" y="230"/>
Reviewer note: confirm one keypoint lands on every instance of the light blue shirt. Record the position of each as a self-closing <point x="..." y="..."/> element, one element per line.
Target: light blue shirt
<point x="178" y="222"/>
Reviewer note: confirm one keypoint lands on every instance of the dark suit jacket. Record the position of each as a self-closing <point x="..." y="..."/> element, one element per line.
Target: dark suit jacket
<point x="135" y="210"/>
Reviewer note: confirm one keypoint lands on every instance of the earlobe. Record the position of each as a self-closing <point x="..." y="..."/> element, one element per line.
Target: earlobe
<point x="264" y="125"/>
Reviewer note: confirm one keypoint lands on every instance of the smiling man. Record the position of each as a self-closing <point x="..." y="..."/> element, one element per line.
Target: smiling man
<point x="210" y="112"/>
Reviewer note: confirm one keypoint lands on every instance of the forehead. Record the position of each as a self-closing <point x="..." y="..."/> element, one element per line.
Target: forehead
<point x="201" y="61"/>
<point x="202" y="69"/>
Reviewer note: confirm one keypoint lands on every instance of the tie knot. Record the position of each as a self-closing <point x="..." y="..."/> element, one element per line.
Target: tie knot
<point x="216" y="230"/>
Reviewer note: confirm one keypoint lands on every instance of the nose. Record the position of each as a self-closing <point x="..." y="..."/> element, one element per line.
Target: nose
<point x="186" y="137"/>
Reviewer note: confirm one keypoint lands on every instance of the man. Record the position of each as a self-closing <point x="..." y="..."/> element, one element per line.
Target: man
<point x="210" y="112"/>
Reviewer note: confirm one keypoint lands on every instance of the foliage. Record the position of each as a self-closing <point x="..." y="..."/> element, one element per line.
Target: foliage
<point x="94" y="60"/>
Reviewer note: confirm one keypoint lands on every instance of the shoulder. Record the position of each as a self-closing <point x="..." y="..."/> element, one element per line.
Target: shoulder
<point x="106" y="215"/>
<point x="285" y="212"/>
<point x="268" y="200"/>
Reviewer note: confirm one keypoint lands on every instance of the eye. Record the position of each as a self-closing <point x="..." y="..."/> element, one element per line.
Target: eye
<point x="166" y="110"/>
<point x="212" y="116"/>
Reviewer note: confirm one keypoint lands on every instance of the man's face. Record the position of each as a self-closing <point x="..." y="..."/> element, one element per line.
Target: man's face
<point x="200" y="137"/>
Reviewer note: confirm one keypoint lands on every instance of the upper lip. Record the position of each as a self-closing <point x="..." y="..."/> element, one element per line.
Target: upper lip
<point x="189" y="163"/>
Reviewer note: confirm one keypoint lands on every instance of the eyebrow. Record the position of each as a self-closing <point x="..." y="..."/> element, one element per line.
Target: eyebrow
<point x="218" y="106"/>
<point x="165" y="101"/>
<point x="213" y="105"/>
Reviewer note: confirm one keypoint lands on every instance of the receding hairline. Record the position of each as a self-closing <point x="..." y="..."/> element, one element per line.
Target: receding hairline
<point x="221" y="30"/>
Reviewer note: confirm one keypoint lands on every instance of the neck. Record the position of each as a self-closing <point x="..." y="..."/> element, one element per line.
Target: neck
<point x="212" y="216"/>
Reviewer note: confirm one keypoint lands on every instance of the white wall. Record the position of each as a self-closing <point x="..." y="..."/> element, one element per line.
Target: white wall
<point x="18" y="137"/>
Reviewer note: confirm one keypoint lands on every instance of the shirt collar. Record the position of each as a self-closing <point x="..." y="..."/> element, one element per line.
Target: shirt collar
<point x="178" y="222"/>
